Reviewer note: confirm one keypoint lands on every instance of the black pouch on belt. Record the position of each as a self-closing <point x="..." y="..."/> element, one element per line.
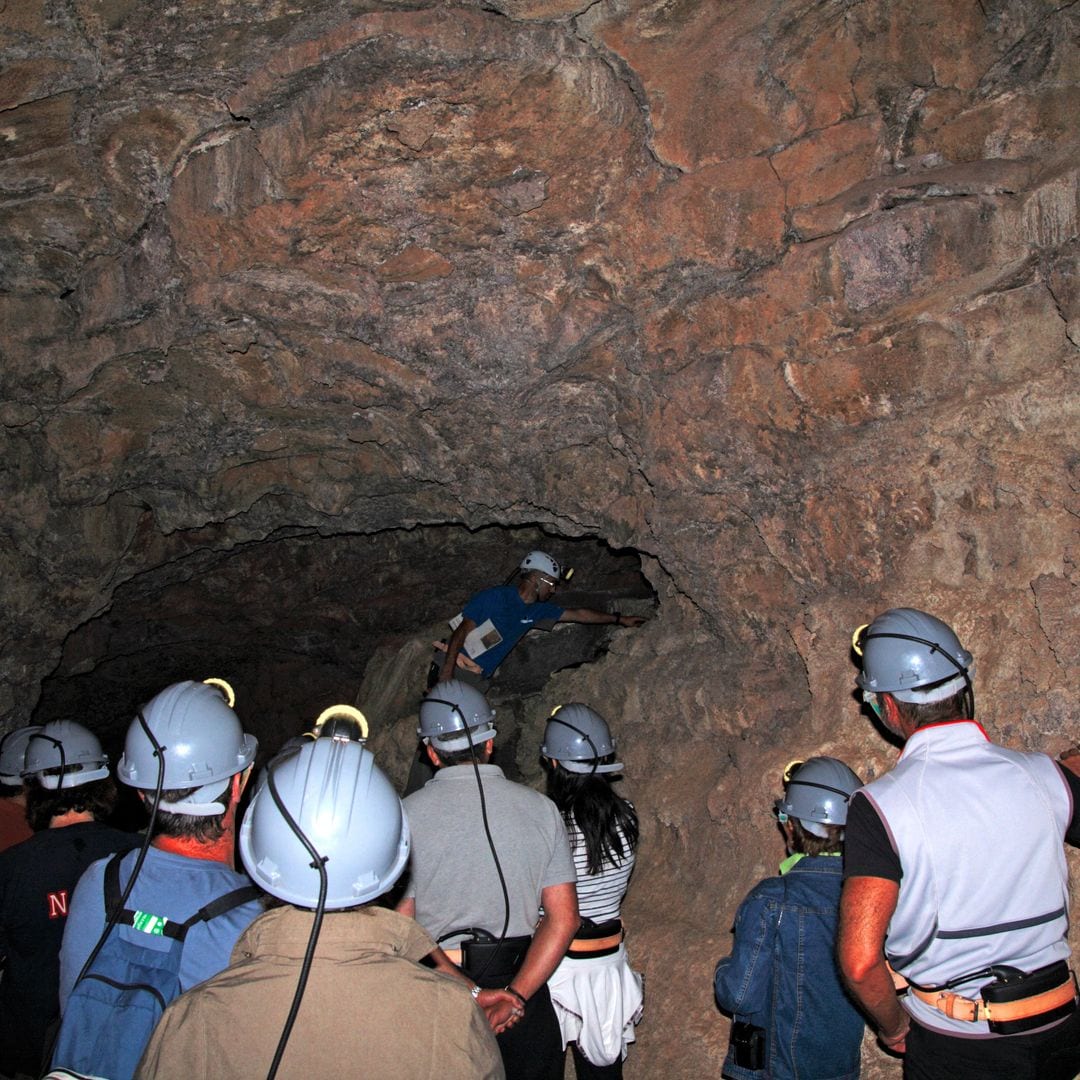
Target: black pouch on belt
<point x="492" y="962"/>
<point x="748" y="1042"/>
<point x="1015" y="985"/>
<point x="593" y="931"/>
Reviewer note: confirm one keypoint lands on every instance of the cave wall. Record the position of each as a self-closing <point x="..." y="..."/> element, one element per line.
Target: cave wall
<point x="781" y="295"/>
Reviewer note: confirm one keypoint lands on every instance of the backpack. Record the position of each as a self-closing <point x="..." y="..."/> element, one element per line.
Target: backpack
<point x="114" y="1008"/>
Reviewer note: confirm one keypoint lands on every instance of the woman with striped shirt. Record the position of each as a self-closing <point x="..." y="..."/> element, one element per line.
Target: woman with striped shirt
<point x="597" y="996"/>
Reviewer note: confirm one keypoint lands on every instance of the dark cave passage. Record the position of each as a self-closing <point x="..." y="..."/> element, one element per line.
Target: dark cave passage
<point x="293" y="621"/>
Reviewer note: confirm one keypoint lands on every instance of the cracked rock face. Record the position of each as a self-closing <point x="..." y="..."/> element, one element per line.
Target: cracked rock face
<point x="780" y="297"/>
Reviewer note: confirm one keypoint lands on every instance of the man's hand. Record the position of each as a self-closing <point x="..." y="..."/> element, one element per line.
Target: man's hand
<point x="1071" y="759"/>
<point x="502" y="1009"/>
<point x="896" y="1044"/>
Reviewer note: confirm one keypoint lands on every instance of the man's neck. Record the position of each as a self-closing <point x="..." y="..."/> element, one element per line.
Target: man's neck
<point x="220" y="850"/>
<point x="71" y="817"/>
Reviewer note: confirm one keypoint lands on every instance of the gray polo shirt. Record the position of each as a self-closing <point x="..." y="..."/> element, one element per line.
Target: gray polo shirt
<point x="452" y="873"/>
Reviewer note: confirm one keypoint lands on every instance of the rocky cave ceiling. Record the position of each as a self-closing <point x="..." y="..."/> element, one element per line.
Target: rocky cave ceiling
<point x="766" y="314"/>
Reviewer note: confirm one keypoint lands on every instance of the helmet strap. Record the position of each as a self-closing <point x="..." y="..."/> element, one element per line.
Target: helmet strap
<point x="202" y="802"/>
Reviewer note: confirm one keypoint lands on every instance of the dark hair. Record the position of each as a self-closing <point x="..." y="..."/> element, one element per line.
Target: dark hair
<point x="605" y="819"/>
<point x="954" y="707"/>
<point x="97" y="798"/>
<point x="461" y="757"/>
<point x="808" y="844"/>
<point x="11" y="791"/>
<point x="189" y="826"/>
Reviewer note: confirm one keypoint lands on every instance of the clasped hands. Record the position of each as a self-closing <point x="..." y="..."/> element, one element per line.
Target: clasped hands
<point x="502" y="1009"/>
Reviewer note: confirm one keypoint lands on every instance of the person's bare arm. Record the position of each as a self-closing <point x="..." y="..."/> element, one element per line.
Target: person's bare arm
<point x="866" y="906"/>
<point x="601" y="618"/>
<point x="553" y="934"/>
<point x="454" y="646"/>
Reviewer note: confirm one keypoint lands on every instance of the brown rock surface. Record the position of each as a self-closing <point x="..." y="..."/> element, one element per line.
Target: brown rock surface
<point x="303" y="305"/>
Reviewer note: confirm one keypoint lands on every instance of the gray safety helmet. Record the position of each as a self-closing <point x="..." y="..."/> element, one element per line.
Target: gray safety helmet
<point x="912" y="656"/>
<point x="349" y="812"/>
<point x="542" y="562"/>
<point x="68" y="745"/>
<point x="202" y="742"/>
<point x="818" y="793"/>
<point x="577" y="737"/>
<point x="13" y="753"/>
<point x="448" y="709"/>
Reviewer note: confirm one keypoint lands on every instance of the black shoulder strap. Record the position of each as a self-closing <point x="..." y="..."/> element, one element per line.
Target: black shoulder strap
<point x="223" y="904"/>
<point x="112" y="884"/>
<point x="175" y="930"/>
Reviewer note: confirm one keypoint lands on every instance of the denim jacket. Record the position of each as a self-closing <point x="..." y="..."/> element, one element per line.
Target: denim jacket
<point x="782" y="976"/>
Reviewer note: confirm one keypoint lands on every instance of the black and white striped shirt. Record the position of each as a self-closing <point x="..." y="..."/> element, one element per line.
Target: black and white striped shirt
<point x="600" y="895"/>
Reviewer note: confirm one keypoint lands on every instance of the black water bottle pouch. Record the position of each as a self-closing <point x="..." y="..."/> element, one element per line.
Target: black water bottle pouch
<point x="1015" y="985"/>
<point x="748" y="1043"/>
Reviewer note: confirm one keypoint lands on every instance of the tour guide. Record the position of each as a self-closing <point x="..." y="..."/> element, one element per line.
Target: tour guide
<point x="954" y="866"/>
<point x="496" y="619"/>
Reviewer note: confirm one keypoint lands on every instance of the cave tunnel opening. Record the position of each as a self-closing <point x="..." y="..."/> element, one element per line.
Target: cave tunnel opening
<point x="298" y="621"/>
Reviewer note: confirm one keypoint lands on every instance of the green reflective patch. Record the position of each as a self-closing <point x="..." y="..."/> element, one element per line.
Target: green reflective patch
<point x="149" y="924"/>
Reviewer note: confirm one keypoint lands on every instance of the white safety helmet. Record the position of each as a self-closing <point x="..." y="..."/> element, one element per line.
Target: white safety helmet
<point x="913" y="656"/>
<point x="346" y="808"/>
<point x="818" y="792"/>
<point x="13" y="754"/>
<point x="202" y="743"/>
<point x="578" y="737"/>
<point x="448" y="710"/>
<point x="67" y="746"/>
<point x="542" y="562"/>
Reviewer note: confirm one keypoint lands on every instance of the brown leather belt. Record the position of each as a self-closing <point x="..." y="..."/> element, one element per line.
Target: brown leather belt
<point x="956" y="1007"/>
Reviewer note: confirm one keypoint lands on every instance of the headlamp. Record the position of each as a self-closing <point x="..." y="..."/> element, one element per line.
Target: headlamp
<point x="225" y="688"/>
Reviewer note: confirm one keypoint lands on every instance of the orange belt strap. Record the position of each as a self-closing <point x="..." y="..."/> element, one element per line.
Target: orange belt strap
<point x="956" y="1007"/>
<point x="588" y="945"/>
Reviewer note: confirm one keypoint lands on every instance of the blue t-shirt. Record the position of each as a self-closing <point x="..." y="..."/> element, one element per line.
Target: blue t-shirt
<point x="168" y="884"/>
<point x="512" y="618"/>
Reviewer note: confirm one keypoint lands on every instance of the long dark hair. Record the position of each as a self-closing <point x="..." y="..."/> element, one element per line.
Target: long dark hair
<point x="601" y="815"/>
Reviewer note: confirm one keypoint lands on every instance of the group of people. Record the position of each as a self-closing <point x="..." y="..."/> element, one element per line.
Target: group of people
<point x="484" y="912"/>
<point x="153" y="957"/>
<point x="473" y="928"/>
<point x="932" y="902"/>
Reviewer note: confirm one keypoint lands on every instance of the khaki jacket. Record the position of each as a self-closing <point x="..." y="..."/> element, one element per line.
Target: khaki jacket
<point x="369" y="1008"/>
